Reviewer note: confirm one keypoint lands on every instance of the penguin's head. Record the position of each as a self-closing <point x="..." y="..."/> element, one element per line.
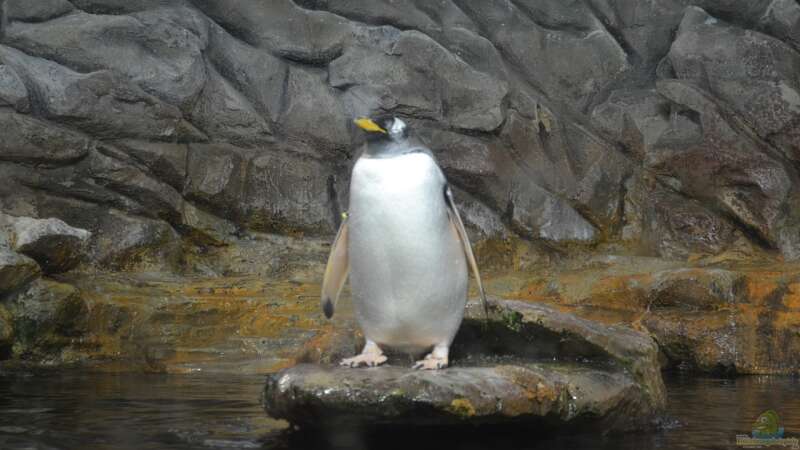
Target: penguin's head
<point x="383" y="128"/>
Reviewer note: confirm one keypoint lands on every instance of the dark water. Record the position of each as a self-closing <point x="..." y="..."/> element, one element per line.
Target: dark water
<point x="143" y="412"/>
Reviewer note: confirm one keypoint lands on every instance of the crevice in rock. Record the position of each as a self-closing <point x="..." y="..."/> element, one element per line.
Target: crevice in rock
<point x="320" y="60"/>
<point x="619" y="220"/>
<point x="97" y="9"/>
<point x="237" y="33"/>
<point x="333" y="198"/>
<point x="3" y="20"/>
<point x="314" y="5"/>
<point x="570" y="29"/>
<point x="616" y="34"/>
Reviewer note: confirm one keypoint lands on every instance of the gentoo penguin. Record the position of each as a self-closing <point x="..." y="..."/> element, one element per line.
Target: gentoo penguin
<point x="405" y="248"/>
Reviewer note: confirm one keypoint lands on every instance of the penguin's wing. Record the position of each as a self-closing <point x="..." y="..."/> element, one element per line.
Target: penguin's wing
<point x="336" y="271"/>
<point x="458" y="225"/>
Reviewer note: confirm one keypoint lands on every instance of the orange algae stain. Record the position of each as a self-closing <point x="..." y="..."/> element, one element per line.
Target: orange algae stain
<point x="760" y="286"/>
<point x="168" y="324"/>
<point x="619" y="291"/>
<point x="792" y="298"/>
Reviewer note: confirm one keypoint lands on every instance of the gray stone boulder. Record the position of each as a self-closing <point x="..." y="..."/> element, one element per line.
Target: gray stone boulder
<point x="6" y="333"/>
<point x="15" y="270"/>
<point x="46" y="317"/>
<point x="124" y="242"/>
<point x="29" y="140"/>
<point x="529" y="365"/>
<point x="56" y="246"/>
<point x="12" y="90"/>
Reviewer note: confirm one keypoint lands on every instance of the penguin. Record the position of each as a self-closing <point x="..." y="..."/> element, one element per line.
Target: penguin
<point x="405" y="249"/>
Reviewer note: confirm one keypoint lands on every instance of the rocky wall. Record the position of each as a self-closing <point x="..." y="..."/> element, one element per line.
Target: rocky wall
<point x="202" y="136"/>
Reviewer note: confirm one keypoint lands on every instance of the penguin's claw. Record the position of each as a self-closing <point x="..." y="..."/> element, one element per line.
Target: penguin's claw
<point x="364" y="359"/>
<point x="430" y="363"/>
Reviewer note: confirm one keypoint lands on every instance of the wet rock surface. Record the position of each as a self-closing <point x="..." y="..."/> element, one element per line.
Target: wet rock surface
<point x="723" y="320"/>
<point x="46" y="318"/>
<point x="531" y="364"/>
<point x="16" y="270"/>
<point x="726" y="319"/>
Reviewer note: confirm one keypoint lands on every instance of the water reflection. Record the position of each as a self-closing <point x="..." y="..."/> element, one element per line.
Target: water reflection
<point x="143" y="412"/>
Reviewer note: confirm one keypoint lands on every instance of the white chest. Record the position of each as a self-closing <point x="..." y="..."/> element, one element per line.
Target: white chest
<point x="404" y="189"/>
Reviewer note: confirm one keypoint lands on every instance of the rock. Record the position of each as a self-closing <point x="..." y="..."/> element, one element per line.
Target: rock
<point x="465" y="160"/>
<point x="664" y="223"/>
<point x="313" y="113"/>
<point x="255" y="72"/>
<point x="480" y="221"/>
<point x="495" y="379"/>
<point x="538" y="213"/>
<point x="123" y="242"/>
<point x="635" y="118"/>
<point x="156" y="199"/>
<point x="215" y="177"/>
<point x="643" y="30"/>
<point x="162" y="48"/>
<point x="15" y="270"/>
<point x="272" y="192"/>
<point x="377" y="79"/>
<point x="56" y="246"/>
<point x="569" y="162"/>
<point x="286" y="194"/>
<point x="36" y="12"/>
<point x="112" y="169"/>
<point x="736" y="320"/>
<point x="29" y="140"/>
<point x="205" y="228"/>
<point x="166" y="161"/>
<point x="726" y="321"/>
<point x="596" y="165"/>
<point x="282" y="28"/>
<point x="6" y="333"/>
<point x="83" y="100"/>
<point x="530" y="145"/>
<point x="47" y="317"/>
<point x="576" y="56"/>
<point x="235" y="325"/>
<point x="753" y="72"/>
<point x="118" y="7"/>
<point x="398" y="77"/>
<point x="224" y="114"/>
<point x="756" y="194"/>
<point x="177" y="131"/>
<point x="402" y="16"/>
<point x="781" y="19"/>
<point x="12" y="90"/>
<point x="469" y="99"/>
